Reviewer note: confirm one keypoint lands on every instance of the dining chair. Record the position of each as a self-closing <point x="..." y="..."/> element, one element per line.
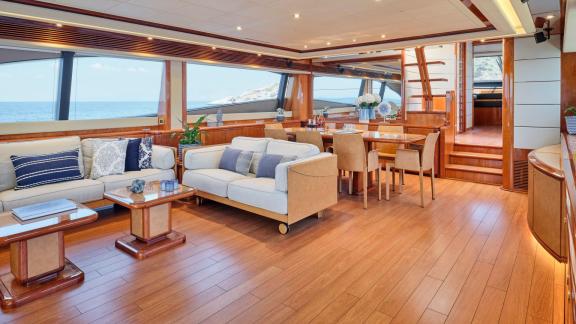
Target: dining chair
<point x="412" y="160"/>
<point x="362" y="127"/>
<point x="276" y="133"/>
<point x="352" y="157"/>
<point x="274" y="126"/>
<point x="310" y="137"/>
<point x="387" y="151"/>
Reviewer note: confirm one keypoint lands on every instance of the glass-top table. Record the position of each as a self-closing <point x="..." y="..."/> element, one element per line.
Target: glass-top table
<point x="151" y="218"/>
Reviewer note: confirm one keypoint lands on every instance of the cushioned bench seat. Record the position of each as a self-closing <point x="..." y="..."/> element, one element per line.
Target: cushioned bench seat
<point x="213" y="181"/>
<point x="116" y="181"/>
<point x="81" y="191"/>
<point x="259" y="192"/>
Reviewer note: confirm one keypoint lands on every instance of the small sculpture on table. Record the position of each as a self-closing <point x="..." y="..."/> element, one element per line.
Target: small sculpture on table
<point x="138" y="186"/>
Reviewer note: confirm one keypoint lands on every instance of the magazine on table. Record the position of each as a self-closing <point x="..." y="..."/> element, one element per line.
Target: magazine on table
<point x="34" y="211"/>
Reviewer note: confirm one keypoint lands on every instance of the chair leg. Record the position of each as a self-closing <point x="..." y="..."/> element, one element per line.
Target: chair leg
<point x="432" y="179"/>
<point x="365" y="187"/>
<point x="400" y="180"/>
<point x="388" y="182"/>
<point x="394" y="179"/>
<point x="339" y="181"/>
<point x="379" y="183"/>
<point x="421" y="176"/>
<point x="402" y="177"/>
<point x="350" y="181"/>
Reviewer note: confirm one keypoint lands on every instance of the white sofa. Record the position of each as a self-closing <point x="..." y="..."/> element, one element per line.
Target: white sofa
<point x="82" y="191"/>
<point x="300" y="189"/>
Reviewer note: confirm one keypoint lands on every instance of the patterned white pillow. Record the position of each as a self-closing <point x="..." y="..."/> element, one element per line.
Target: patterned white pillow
<point x="145" y="153"/>
<point x="109" y="158"/>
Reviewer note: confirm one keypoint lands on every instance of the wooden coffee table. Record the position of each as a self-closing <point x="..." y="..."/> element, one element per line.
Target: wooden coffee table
<point x="151" y="219"/>
<point x="37" y="263"/>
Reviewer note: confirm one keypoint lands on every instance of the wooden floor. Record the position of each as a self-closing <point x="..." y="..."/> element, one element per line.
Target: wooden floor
<point x="482" y="136"/>
<point x="466" y="257"/>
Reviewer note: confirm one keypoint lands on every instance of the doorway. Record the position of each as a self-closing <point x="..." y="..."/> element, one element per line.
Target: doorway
<point x="484" y="122"/>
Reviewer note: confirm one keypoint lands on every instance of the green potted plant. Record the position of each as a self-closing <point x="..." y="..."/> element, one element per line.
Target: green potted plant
<point x="190" y="136"/>
<point x="570" y="116"/>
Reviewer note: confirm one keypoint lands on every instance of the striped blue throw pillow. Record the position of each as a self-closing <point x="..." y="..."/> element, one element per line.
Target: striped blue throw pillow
<point x="38" y="170"/>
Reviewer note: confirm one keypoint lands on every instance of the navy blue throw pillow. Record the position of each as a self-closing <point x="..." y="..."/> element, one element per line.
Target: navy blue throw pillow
<point x="133" y="155"/>
<point x="37" y="170"/>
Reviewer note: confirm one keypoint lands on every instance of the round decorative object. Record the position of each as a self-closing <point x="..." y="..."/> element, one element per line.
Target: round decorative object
<point x="385" y="109"/>
<point x="283" y="228"/>
<point x="137" y="186"/>
<point x="280" y="118"/>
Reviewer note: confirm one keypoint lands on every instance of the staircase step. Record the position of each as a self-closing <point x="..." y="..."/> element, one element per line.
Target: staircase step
<point x="476" y="159"/>
<point x="478" y="148"/>
<point x="474" y="173"/>
<point x="431" y="80"/>
<point x="428" y="63"/>
<point x="469" y="168"/>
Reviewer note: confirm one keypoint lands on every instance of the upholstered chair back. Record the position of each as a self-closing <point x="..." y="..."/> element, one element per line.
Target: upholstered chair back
<point x="274" y="126"/>
<point x="310" y="137"/>
<point x="276" y="133"/>
<point x="350" y="151"/>
<point x="429" y="150"/>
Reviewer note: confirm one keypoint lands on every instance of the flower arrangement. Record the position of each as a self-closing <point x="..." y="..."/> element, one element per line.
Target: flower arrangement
<point x="368" y="101"/>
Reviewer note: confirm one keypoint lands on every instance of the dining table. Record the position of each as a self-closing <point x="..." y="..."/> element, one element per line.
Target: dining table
<point x="370" y="139"/>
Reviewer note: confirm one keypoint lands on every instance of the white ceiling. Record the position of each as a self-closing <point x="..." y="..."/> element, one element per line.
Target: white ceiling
<point x="338" y="22"/>
<point x="272" y="21"/>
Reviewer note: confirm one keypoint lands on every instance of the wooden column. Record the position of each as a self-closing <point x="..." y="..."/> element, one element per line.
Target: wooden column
<point x="508" y="114"/>
<point x="568" y="84"/>
<point x="164" y="115"/>
<point x="302" y="101"/>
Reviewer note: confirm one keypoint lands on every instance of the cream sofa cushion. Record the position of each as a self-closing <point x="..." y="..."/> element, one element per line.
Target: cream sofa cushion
<point x="81" y="191"/>
<point x="287" y="148"/>
<point x="282" y="170"/>
<point x="162" y="157"/>
<point x="214" y="181"/>
<point x="204" y="157"/>
<point x="88" y="152"/>
<point x="253" y="144"/>
<point x="54" y="145"/>
<point x="259" y="192"/>
<point x="116" y="181"/>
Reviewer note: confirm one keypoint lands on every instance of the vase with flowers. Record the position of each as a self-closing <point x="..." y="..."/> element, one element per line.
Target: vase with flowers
<point x="367" y="104"/>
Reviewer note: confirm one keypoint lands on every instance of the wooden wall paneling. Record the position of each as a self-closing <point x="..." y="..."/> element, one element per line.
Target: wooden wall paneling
<point x="463" y="87"/>
<point x="164" y="111"/>
<point x="426" y="118"/>
<point x="488" y="116"/>
<point x="448" y="133"/>
<point x="508" y="113"/>
<point x="568" y="85"/>
<point x="302" y="98"/>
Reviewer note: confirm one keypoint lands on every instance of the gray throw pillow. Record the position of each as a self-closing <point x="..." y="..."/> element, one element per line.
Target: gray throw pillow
<point x="109" y="158"/>
<point x="236" y="160"/>
<point x="268" y="162"/>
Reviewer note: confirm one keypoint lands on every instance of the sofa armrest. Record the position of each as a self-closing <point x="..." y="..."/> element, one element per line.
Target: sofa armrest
<point x="203" y="157"/>
<point x="281" y="172"/>
<point x="163" y="157"/>
<point x="312" y="186"/>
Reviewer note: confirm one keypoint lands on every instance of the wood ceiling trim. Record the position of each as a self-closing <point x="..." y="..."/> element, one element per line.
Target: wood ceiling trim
<point x="467" y="3"/>
<point x="42" y="32"/>
<point x="364" y="59"/>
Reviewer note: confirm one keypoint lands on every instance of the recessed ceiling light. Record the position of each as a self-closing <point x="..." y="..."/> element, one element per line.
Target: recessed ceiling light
<point x="354" y="40"/>
<point x="305" y="46"/>
<point x="328" y="43"/>
<point x="259" y="54"/>
<point x="150" y="38"/>
<point x="549" y="17"/>
<point x="482" y="40"/>
<point x="296" y="15"/>
<point x="213" y="48"/>
<point x="383" y="36"/>
<point x="325" y="57"/>
<point x="59" y="25"/>
<point x="238" y="27"/>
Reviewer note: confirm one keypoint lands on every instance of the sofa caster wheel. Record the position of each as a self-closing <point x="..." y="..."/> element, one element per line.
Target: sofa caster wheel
<point x="283" y="228"/>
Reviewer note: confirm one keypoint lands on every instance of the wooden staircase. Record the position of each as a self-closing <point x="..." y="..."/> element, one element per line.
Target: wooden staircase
<point x="482" y="164"/>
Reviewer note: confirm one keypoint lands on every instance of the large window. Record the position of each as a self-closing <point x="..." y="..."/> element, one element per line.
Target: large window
<point x="106" y="87"/>
<point x="28" y="90"/>
<point x="335" y="92"/>
<point x="488" y="68"/>
<point x="390" y="94"/>
<point x="232" y="89"/>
